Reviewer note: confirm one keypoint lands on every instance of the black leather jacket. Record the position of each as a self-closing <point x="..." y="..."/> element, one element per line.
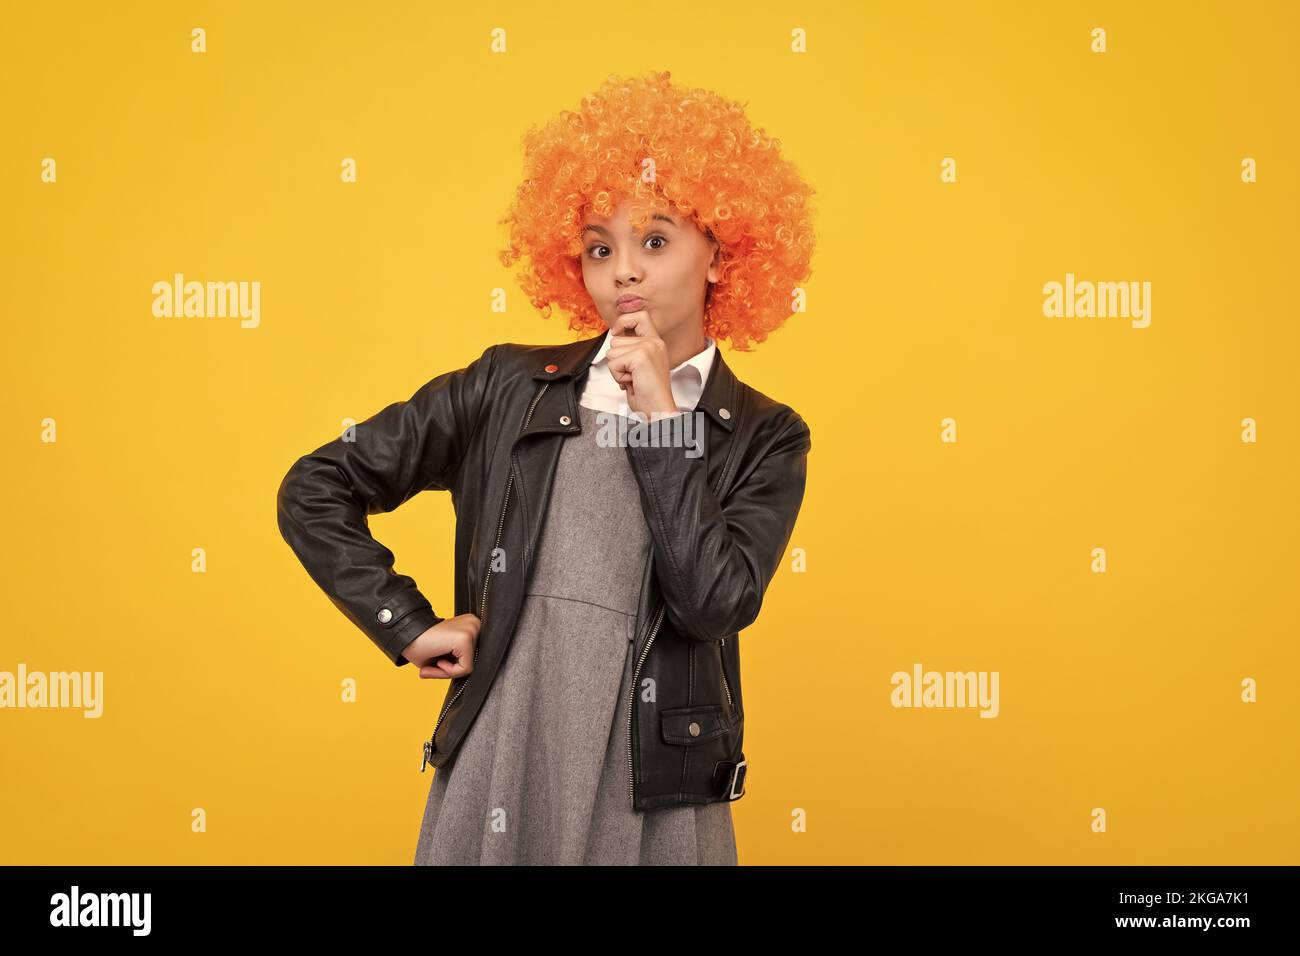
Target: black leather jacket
<point x="490" y="434"/>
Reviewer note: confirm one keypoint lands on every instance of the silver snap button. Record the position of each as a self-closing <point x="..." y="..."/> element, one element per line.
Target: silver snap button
<point x="565" y="419"/>
<point x="694" y="728"/>
<point x="724" y="413"/>
<point x="384" y="615"/>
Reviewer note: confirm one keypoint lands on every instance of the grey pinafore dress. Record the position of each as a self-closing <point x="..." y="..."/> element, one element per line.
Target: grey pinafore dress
<point x="542" y="774"/>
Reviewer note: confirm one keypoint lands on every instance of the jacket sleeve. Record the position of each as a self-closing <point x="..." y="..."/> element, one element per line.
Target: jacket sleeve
<point x="323" y="500"/>
<point x="714" y="562"/>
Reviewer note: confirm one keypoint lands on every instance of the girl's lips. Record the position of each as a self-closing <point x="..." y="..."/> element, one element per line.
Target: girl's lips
<point x="630" y="305"/>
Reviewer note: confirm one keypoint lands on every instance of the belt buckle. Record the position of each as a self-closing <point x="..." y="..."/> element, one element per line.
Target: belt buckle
<point x="737" y="777"/>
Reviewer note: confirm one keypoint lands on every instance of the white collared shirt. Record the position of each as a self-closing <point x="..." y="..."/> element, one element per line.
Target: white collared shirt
<point x="602" y="393"/>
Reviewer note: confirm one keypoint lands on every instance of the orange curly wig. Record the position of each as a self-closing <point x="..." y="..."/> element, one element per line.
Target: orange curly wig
<point x="708" y="162"/>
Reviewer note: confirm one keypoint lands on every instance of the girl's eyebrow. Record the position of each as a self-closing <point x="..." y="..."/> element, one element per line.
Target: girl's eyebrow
<point x="601" y="229"/>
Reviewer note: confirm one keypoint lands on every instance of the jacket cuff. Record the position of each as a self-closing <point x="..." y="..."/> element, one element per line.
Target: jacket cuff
<point x="398" y="620"/>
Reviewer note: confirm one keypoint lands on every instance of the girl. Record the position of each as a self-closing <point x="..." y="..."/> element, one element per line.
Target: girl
<point x="661" y="219"/>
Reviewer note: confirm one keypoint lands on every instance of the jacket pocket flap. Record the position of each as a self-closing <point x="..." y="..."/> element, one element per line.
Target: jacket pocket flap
<point x="693" y="725"/>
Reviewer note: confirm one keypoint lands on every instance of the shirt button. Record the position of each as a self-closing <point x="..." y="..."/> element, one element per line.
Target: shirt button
<point x="384" y="615"/>
<point x="694" y="728"/>
<point x="565" y="419"/>
<point x="724" y="413"/>
<point x="552" y="368"/>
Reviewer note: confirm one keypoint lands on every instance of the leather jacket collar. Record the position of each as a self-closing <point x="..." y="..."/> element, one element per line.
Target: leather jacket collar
<point x="572" y="362"/>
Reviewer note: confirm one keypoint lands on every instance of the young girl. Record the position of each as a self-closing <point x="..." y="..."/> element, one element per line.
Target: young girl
<point x="607" y="666"/>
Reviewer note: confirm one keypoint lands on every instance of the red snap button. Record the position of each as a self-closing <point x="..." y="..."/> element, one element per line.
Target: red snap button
<point x="552" y="368"/>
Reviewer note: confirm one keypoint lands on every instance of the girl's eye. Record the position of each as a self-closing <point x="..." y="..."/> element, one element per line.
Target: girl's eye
<point x="592" y="251"/>
<point x="660" y="238"/>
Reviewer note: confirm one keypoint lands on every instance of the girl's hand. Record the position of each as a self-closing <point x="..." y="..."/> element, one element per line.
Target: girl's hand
<point x="446" y="649"/>
<point x="638" y="360"/>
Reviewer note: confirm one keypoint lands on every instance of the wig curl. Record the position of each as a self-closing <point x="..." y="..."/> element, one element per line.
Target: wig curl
<point x="662" y="146"/>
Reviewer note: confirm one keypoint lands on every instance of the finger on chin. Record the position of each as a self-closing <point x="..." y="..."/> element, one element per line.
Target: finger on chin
<point x="634" y="322"/>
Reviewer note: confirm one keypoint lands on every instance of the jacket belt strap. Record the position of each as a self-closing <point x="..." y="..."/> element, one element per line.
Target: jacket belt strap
<point x="732" y="774"/>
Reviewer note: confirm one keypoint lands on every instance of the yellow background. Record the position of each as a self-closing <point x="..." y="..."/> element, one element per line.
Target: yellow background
<point x="222" y="690"/>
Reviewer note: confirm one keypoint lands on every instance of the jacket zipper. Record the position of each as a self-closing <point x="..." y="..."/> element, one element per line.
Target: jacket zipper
<point x="482" y="606"/>
<point x="631" y="703"/>
<point x="722" y="663"/>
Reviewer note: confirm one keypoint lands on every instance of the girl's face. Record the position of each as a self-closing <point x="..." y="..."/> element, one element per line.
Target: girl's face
<point x="668" y="267"/>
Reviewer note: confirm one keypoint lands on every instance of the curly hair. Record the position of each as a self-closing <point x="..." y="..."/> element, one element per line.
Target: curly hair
<point x="662" y="146"/>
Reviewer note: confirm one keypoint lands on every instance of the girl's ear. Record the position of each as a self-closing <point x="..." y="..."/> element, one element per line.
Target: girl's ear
<point x="712" y="274"/>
